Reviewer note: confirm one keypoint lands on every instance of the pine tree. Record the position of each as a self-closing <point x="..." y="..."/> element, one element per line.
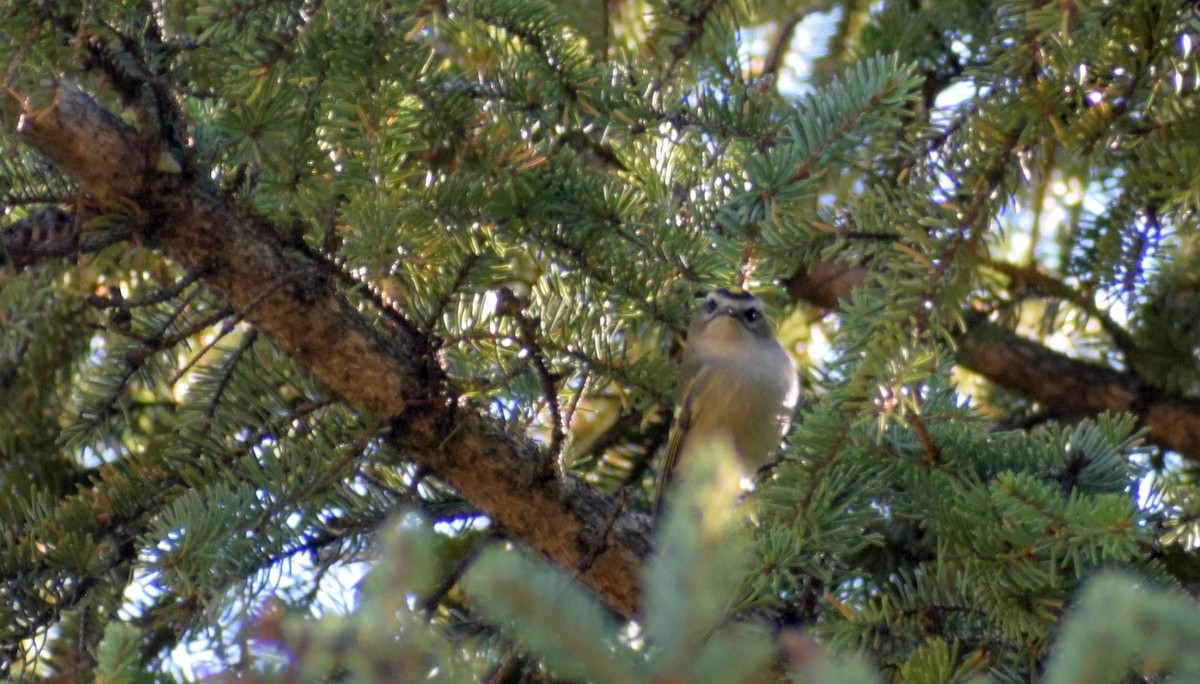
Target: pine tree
<point x="298" y="291"/>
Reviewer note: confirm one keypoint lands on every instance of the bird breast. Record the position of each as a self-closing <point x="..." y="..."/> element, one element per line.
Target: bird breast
<point x="746" y="404"/>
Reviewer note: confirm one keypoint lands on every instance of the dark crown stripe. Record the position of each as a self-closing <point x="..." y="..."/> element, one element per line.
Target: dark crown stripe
<point x="740" y="295"/>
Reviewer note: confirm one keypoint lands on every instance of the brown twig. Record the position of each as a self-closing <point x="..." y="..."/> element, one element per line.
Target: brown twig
<point x="511" y="305"/>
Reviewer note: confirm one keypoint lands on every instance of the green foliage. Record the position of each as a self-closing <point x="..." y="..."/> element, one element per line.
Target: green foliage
<point x="117" y="658"/>
<point x="701" y="557"/>
<point x="972" y="539"/>
<point x="537" y="190"/>
<point x="687" y="633"/>
<point x="388" y="638"/>
<point x="1123" y="629"/>
<point x="551" y="615"/>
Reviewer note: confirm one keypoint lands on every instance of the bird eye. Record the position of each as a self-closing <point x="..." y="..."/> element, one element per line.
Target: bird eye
<point x="710" y="306"/>
<point x="751" y="315"/>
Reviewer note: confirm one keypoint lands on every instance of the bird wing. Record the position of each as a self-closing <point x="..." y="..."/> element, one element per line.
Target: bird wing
<point x="680" y="423"/>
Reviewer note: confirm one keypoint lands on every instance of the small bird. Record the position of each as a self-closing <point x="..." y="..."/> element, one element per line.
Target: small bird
<point x="735" y="382"/>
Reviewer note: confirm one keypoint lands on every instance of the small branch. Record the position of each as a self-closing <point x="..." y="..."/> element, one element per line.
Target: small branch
<point x="809" y="163"/>
<point x="460" y="277"/>
<point x="511" y="305"/>
<point x="503" y="671"/>
<point x="335" y="268"/>
<point x="18" y="57"/>
<point x="695" y="31"/>
<point x="434" y="598"/>
<point x="929" y="450"/>
<point x="781" y="46"/>
<point x="51" y="233"/>
<point x="601" y="543"/>
<point x="569" y="419"/>
<point x="235" y="358"/>
<point x="221" y="335"/>
<point x="1031" y="279"/>
<point x="619" y="431"/>
<point x="821" y="467"/>
<point x="695" y="23"/>
<point x="844" y="39"/>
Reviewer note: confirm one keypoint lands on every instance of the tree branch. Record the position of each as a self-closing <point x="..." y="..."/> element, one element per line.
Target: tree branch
<point x="109" y="165"/>
<point x="288" y="294"/>
<point x="1066" y="387"/>
<point x="1073" y="389"/>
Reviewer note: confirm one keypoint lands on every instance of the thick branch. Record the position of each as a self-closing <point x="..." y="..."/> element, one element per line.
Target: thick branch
<point x="288" y="294"/>
<point x="1066" y="387"/>
<point x="1077" y="389"/>
<point x="107" y="165"/>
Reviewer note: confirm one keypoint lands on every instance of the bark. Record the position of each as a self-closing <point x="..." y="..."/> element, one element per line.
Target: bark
<point x="1065" y="387"/>
<point x="1072" y="389"/>
<point x="110" y="165"/>
<point x="289" y="294"/>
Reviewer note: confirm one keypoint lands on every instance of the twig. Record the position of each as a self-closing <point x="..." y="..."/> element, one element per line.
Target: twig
<point x="1032" y="280"/>
<point x="929" y="450"/>
<point x="434" y="598"/>
<point x="512" y="306"/>
<point x="18" y="58"/>
<point x="500" y="675"/>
